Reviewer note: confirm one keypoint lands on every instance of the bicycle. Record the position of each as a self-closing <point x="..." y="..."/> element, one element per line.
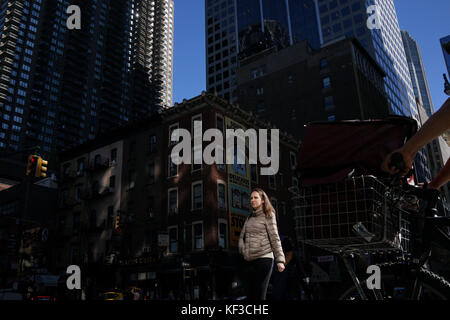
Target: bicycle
<point x="386" y="219"/>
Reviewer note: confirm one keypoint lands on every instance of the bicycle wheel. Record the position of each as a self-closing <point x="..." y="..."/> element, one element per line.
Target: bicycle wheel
<point x="397" y="286"/>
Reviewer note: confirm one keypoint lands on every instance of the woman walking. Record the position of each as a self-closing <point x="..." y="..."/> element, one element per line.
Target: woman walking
<point x="260" y="244"/>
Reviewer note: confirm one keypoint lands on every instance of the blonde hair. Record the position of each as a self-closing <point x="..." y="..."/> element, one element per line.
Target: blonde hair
<point x="266" y="206"/>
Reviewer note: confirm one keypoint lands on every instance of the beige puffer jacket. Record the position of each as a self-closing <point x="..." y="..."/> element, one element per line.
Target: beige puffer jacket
<point x="261" y="237"/>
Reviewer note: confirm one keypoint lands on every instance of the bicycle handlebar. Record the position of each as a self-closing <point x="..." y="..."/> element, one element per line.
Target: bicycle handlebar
<point x="397" y="161"/>
<point x="431" y="196"/>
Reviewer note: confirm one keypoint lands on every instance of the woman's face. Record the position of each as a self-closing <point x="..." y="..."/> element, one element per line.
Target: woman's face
<point x="255" y="200"/>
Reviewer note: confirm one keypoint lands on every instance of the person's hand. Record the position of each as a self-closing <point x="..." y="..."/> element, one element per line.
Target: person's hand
<point x="280" y="267"/>
<point x="408" y="159"/>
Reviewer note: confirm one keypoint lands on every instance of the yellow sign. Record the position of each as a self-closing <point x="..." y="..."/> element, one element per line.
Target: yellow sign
<point x="238" y="190"/>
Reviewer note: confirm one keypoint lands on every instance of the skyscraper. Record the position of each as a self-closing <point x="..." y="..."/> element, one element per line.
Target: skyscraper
<point x="349" y="18"/>
<point x="445" y="44"/>
<point x="417" y="72"/>
<point x="61" y="86"/>
<point x="236" y="29"/>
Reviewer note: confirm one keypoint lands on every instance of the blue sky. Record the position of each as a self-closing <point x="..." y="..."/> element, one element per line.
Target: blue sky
<point x="426" y="21"/>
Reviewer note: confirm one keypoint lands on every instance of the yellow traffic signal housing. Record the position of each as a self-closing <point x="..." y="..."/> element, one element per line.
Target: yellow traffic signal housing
<point x="117" y="223"/>
<point x="32" y="164"/>
<point x="41" y="169"/>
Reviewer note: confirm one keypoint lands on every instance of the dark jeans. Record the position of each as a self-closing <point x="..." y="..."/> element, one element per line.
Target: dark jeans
<point x="258" y="276"/>
<point x="285" y="284"/>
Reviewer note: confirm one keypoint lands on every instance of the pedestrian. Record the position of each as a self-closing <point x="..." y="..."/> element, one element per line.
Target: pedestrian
<point x="136" y="294"/>
<point x="260" y="244"/>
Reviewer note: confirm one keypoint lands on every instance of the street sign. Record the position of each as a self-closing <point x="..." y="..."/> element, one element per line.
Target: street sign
<point x="325" y="258"/>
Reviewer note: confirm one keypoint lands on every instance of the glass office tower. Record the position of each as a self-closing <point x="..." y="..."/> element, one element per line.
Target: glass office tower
<point x="237" y="29"/>
<point x="60" y="87"/>
<point x="445" y="44"/>
<point x="340" y="18"/>
<point x="417" y="72"/>
<point x="348" y="18"/>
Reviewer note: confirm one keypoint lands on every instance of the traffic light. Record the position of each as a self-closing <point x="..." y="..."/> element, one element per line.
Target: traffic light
<point x="41" y="170"/>
<point x="32" y="164"/>
<point x="117" y="223"/>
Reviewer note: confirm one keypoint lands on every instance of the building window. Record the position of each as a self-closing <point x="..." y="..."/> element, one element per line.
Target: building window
<point x="254" y="172"/>
<point x="221" y="126"/>
<point x="74" y="255"/>
<point x="76" y="222"/>
<point x="197" y="228"/>
<point x="260" y="107"/>
<point x="290" y="79"/>
<point x="259" y="91"/>
<point x="197" y="118"/>
<point x="78" y="193"/>
<point x="294" y="182"/>
<point x="197" y="195"/>
<point x="293" y="114"/>
<point x="331" y="118"/>
<point x="326" y="82"/>
<point x="114" y="155"/>
<point x="80" y="166"/>
<point x="293" y="159"/>
<point x="356" y="6"/>
<point x="173" y="239"/>
<point x="323" y="63"/>
<point x="151" y="205"/>
<point x="220" y="123"/>
<point x="196" y="166"/>
<point x="329" y="103"/>
<point x="173" y="200"/>
<point x="97" y="160"/>
<point x="110" y="220"/>
<point x="223" y="232"/>
<point x="173" y="168"/>
<point x="171" y="129"/>
<point x="151" y="172"/>
<point x="272" y="181"/>
<point x="66" y="169"/>
<point x="258" y="72"/>
<point x="112" y="182"/>
<point x="221" y="195"/>
<point x="132" y="179"/>
<point x="132" y="150"/>
<point x="152" y="144"/>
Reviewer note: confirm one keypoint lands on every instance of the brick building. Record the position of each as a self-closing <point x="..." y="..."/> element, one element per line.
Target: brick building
<point x="142" y="221"/>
